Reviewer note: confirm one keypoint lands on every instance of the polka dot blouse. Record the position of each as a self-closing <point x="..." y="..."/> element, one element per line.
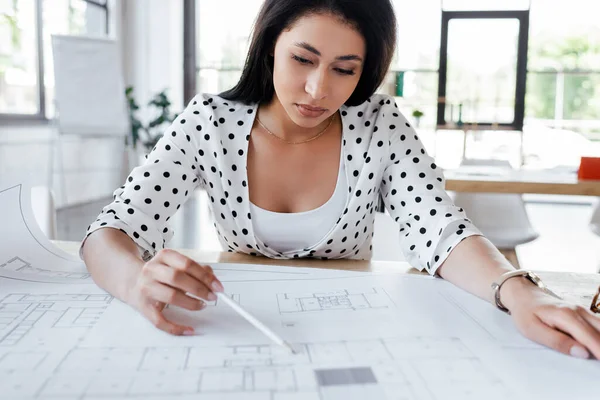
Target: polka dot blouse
<point x="207" y="147"/>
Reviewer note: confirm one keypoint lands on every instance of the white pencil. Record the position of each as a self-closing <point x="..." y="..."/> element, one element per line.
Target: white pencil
<point x="250" y="318"/>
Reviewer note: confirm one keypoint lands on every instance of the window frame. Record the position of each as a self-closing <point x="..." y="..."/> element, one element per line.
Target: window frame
<point x="40" y="116"/>
<point x="519" y="110"/>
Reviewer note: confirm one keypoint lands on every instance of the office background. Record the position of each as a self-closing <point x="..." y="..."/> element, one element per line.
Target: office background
<point x="187" y="46"/>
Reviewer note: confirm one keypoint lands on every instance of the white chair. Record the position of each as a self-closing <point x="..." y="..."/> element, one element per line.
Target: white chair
<point x="42" y="203"/>
<point x="502" y="218"/>
<point x="386" y="242"/>
<point x="595" y="220"/>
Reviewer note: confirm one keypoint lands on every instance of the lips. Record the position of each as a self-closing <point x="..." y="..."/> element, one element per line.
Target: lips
<point x="310" y="112"/>
<point x="313" y="109"/>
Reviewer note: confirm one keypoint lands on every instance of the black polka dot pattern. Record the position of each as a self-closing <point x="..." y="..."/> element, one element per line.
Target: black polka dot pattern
<point x="206" y="147"/>
<point x="413" y="193"/>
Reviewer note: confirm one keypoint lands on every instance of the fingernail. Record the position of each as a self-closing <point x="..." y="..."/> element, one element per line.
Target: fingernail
<point x="579" y="352"/>
<point x="217" y="287"/>
<point x="188" y="332"/>
<point x="212" y="296"/>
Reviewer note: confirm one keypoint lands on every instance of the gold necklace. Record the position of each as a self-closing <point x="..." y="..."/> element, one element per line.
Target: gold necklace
<point x="302" y="141"/>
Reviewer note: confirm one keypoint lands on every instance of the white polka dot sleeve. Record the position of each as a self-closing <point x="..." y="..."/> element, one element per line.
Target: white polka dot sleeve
<point x="154" y="191"/>
<point x="413" y="192"/>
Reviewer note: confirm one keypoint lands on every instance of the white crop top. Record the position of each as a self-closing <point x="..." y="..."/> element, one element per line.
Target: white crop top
<point x="285" y="232"/>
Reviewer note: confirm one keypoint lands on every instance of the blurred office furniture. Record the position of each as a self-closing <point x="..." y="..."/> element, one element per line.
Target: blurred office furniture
<point x="499" y="180"/>
<point x="386" y="241"/>
<point x="595" y="220"/>
<point x="502" y="218"/>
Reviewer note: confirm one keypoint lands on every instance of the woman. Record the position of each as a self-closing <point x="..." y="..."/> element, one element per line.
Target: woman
<point x="294" y="158"/>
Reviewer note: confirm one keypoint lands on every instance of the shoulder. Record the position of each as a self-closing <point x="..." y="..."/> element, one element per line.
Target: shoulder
<point x="377" y="109"/>
<point x="212" y="104"/>
<point x="377" y="105"/>
<point x="208" y="113"/>
<point x="376" y="118"/>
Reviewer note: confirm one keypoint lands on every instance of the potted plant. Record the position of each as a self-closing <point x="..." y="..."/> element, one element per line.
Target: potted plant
<point x="145" y="137"/>
<point x="417" y="114"/>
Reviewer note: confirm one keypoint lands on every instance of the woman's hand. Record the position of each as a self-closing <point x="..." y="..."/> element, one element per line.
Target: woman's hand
<point x="166" y="279"/>
<point x="567" y="328"/>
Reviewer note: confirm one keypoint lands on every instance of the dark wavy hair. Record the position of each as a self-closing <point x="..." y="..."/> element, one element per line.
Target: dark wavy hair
<point x="373" y="19"/>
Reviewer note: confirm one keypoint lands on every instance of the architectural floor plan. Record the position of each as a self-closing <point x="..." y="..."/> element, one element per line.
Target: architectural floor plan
<point x="17" y="266"/>
<point x="52" y="314"/>
<point x="395" y="368"/>
<point x="337" y="300"/>
<point x="81" y="343"/>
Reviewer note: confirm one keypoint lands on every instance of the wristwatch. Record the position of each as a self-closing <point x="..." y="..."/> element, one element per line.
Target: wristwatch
<point x="530" y="276"/>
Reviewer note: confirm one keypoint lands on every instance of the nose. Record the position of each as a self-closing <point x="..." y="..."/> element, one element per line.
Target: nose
<point x="316" y="84"/>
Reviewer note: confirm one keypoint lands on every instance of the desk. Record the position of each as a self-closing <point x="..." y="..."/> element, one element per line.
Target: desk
<point x="576" y="287"/>
<point x="494" y="180"/>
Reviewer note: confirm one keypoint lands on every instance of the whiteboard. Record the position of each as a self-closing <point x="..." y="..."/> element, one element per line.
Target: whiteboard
<point x="89" y="91"/>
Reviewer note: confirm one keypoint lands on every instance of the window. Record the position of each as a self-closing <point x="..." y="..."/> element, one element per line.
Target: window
<point x="563" y="80"/>
<point x="483" y="68"/>
<point x="26" y="26"/>
<point x="414" y="68"/>
<point x="223" y="38"/>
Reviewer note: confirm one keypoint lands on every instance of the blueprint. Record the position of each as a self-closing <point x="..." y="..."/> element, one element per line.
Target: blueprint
<point x="357" y="335"/>
<point x="384" y="337"/>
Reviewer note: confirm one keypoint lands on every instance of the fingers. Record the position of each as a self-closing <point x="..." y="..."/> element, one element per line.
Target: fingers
<point x="540" y="332"/>
<point x="570" y="321"/>
<point x="169" y="295"/>
<point x="166" y="279"/>
<point x="154" y="315"/>
<point x="182" y="263"/>
<point x="180" y="280"/>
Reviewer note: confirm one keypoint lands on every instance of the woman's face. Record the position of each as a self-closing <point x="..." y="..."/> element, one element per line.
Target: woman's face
<point x="318" y="63"/>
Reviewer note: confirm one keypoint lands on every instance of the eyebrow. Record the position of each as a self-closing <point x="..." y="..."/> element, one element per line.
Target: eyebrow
<point x="348" y="57"/>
